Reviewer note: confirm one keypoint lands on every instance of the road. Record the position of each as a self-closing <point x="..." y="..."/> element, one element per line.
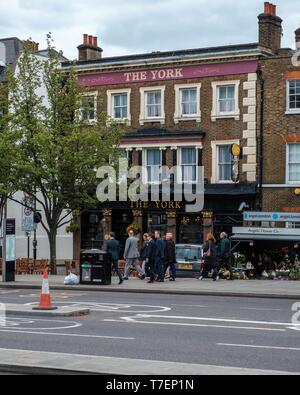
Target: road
<point x="219" y="331"/>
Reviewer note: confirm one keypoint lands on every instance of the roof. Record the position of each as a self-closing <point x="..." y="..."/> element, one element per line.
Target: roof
<point x="252" y="48"/>
<point x="13" y="48"/>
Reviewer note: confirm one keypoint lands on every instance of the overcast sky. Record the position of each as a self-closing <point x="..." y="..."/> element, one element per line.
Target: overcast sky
<point x="135" y="26"/>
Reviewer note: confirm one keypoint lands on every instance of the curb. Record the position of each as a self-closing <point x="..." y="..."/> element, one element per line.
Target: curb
<point x="157" y="292"/>
<point x="41" y="371"/>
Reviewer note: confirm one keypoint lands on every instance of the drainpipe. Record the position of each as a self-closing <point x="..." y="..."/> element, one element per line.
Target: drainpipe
<point x="261" y="137"/>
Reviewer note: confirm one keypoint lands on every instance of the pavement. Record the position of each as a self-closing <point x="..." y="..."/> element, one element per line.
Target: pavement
<point x="183" y="286"/>
<point x="32" y="362"/>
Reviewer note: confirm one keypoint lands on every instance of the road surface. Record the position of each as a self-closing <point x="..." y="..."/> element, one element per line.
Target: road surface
<point x="206" y="330"/>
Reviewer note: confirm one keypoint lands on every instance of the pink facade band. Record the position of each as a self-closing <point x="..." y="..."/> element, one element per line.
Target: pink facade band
<point x="164" y="74"/>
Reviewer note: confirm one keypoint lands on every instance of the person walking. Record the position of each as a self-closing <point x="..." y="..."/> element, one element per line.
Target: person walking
<point x="210" y="258"/>
<point x="151" y="258"/>
<point x="160" y="256"/>
<point x="144" y="252"/>
<point x="131" y="256"/>
<point x="113" y="248"/>
<point x="225" y="254"/>
<point x="170" y="257"/>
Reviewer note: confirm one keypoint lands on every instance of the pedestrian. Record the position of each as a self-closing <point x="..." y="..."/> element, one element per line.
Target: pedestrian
<point x="144" y="251"/>
<point x="160" y="256"/>
<point x="151" y="258"/>
<point x="131" y="256"/>
<point x="170" y="256"/>
<point x="210" y="258"/>
<point x="225" y="254"/>
<point x="113" y="248"/>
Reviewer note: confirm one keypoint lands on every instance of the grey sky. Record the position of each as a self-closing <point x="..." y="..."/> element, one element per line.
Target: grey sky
<point x="134" y="26"/>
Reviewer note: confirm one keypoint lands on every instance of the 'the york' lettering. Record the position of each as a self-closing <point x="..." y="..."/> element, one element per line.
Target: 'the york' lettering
<point x="153" y="75"/>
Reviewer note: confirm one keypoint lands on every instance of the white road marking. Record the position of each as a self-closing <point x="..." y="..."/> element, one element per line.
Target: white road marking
<point x="260" y="309"/>
<point x="254" y="346"/>
<point x="15" y="322"/>
<point x="130" y="320"/>
<point x="67" y="335"/>
<point x="216" y="320"/>
<point x="190" y="305"/>
<point x="112" y="307"/>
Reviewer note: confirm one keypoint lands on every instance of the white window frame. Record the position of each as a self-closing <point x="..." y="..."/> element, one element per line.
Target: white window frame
<point x="178" y="116"/>
<point x="215" y="160"/>
<point x="145" y="171"/>
<point x="216" y="114"/>
<point x="110" y="109"/>
<point x="95" y="95"/>
<point x="290" y="111"/>
<point x="287" y="177"/>
<point x="143" y="112"/>
<point x="179" y="161"/>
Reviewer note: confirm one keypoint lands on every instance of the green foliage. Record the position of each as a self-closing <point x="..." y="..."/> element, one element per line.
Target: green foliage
<point x="58" y="151"/>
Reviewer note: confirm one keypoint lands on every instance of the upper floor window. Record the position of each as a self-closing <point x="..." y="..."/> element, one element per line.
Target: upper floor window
<point x="293" y="163"/>
<point x="88" y="107"/>
<point x="118" y="104"/>
<point x="293" y="96"/>
<point x="225" y="162"/>
<point x="188" y="164"/>
<point x="225" y="100"/>
<point x="152" y="105"/>
<point x="153" y="163"/>
<point x="187" y="105"/>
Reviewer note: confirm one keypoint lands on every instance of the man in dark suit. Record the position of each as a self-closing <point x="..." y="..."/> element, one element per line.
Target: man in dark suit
<point x="113" y="248"/>
<point x="160" y="256"/>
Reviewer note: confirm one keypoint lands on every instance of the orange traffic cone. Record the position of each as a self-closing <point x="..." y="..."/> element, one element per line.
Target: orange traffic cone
<point x="45" y="300"/>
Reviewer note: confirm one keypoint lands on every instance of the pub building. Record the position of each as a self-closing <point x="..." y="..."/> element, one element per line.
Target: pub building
<point x="187" y="108"/>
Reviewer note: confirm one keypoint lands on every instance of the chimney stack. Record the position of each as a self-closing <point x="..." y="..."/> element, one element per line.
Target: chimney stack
<point x="297" y="36"/>
<point x="270" y="28"/>
<point x="89" y="50"/>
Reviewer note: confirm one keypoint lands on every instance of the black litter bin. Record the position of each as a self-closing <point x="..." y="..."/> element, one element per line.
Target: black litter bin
<point x="95" y="267"/>
<point x="10" y="271"/>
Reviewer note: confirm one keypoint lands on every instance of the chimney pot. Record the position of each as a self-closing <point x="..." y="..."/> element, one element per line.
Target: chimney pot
<point x="90" y="40"/>
<point x="273" y="7"/>
<point x="95" y="41"/>
<point x="85" y="39"/>
<point x="267" y="8"/>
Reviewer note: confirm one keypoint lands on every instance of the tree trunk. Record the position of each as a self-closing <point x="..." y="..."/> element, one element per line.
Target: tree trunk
<point x="52" y="244"/>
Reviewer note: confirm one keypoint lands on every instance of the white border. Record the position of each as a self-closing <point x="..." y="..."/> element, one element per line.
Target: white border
<point x="110" y="111"/>
<point x="215" y="168"/>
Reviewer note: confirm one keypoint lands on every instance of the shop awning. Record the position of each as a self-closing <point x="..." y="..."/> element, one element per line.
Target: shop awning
<point x="249" y="237"/>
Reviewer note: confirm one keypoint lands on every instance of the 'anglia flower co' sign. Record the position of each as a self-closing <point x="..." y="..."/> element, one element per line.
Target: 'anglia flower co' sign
<point x="164" y="74"/>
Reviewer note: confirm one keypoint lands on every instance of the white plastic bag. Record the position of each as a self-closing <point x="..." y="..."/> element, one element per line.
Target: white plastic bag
<point x="71" y="279"/>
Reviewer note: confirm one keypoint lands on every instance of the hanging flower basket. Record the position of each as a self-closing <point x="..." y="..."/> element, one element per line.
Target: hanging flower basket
<point x="134" y="228"/>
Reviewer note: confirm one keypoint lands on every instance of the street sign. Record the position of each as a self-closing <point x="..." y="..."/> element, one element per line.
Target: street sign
<point x="27" y="218"/>
<point x="271" y="217"/>
<point x="266" y="231"/>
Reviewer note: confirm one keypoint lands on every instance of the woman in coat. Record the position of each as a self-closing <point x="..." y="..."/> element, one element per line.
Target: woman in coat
<point x="210" y="258"/>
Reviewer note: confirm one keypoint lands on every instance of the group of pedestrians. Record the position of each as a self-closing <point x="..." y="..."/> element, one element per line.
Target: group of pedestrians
<point x="156" y="257"/>
<point x="216" y="257"/>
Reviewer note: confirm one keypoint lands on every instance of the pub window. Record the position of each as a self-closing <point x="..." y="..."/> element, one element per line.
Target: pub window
<point x="293" y="96"/>
<point x="187" y="102"/>
<point x="153" y="160"/>
<point x="188" y="164"/>
<point x="88" y="108"/>
<point x="153" y="104"/>
<point x="118" y="105"/>
<point x="225" y="162"/>
<point x="225" y="100"/>
<point x="293" y="163"/>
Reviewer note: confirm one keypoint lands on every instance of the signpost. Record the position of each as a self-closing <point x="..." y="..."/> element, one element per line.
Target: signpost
<point x="271" y="217"/>
<point x="9" y="249"/>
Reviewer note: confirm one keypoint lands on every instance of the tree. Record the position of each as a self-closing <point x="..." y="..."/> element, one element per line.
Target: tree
<point x="7" y="153"/>
<point x="59" y="151"/>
